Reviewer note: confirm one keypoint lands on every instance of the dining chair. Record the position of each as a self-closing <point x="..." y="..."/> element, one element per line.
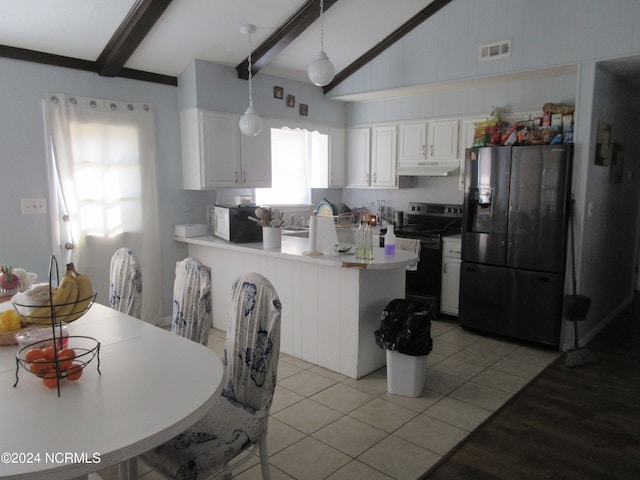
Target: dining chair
<point x="236" y="425"/>
<point x="125" y="283"/>
<point x="192" y="300"/>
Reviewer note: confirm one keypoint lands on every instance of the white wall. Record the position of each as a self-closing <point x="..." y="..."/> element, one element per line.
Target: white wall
<point x="216" y="87"/>
<point x="544" y="33"/>
<point x="609" y="235"/>
<point x="25" y="240"/>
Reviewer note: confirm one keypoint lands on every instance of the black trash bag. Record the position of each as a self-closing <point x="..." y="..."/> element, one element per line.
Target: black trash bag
<point x="405" y="327"/>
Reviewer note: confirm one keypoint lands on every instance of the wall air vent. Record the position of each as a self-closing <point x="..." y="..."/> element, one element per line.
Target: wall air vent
<point x="492" y="51"/>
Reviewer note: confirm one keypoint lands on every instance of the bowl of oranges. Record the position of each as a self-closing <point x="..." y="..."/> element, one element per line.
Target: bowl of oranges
<point x="55" y="362"/>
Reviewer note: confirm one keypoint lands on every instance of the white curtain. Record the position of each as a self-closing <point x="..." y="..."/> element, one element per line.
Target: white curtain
<point x="103" y="173"/>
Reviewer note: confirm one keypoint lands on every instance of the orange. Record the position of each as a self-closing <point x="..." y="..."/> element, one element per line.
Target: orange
<point x="69" y="352"/>
<point x="32" y="354"/>
<point x="64" y="361"/>
<point x="74" y="372"/>
<point x="50" y="379"/>
<point x="48" y="353"/>
<point x="39" y="366"/>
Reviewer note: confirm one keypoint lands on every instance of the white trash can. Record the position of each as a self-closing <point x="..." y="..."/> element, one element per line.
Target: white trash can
<point x="406" y="374"/>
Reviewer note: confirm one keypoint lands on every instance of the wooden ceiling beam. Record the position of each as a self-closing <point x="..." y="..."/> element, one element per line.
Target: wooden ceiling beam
<point x="138" y="22"/>
<point x="392" y="38"/>
<point x="283" y="36"/>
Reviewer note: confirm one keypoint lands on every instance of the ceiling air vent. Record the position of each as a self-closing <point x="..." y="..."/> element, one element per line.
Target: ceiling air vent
<point x="492" y="51"/>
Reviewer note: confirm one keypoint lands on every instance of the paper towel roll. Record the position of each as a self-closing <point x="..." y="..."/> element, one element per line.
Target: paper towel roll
<point x="313" y="234"/>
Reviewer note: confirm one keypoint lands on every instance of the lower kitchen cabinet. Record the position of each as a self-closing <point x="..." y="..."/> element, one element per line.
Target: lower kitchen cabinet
<point x="451" y="262"/>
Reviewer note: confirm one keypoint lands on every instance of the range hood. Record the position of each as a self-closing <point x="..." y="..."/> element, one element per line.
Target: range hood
<point x="440" y="168"/>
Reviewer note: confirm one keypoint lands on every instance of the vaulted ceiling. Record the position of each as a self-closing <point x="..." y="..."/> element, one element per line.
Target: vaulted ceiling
<point x="155" y="40"/>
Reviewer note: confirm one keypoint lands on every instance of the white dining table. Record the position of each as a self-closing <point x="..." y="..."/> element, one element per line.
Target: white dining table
<point x="153" y="385"/>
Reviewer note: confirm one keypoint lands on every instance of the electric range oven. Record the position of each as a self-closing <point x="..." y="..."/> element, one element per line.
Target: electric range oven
<point x="429" y="222"/>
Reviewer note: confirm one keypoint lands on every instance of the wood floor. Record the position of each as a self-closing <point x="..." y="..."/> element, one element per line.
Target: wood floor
<point x="569" y="423"/>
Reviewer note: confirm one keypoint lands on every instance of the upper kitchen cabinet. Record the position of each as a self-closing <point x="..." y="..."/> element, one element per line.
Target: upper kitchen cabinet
<point x="359" y="157"/>
<point x="429" y="148"/>
<point x="216" y="155"/>
<point x="444" y="138"/>
<point x="372" y="157"/>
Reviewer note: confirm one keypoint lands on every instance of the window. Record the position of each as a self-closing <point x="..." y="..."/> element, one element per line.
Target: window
<point x="106" y="177"/>
<point x="294" y="153"/>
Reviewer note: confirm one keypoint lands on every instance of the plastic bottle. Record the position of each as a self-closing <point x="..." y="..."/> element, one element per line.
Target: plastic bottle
<point x="360" y="240"/>
<point x="368" y="242"/>
<point x="390" y="241"/>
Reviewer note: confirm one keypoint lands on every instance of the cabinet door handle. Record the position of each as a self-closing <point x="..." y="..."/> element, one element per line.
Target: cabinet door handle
<point x="236" y="174"/>
<point x="244" y="176"/>
<point x="424" y="151"/>
<point x="431" y="150"/>
<point x="444" y="268"/>
<point x="375" y="177"/>
<point x="366" y="178"/>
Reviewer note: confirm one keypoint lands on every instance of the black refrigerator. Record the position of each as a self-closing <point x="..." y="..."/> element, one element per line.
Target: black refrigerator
<point x="514" y="239"/>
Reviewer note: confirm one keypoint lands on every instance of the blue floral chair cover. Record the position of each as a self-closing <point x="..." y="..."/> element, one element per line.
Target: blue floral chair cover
<point x="239" y="416"/>
<point x="125" y="286"/>
<point x="192" y="300"/>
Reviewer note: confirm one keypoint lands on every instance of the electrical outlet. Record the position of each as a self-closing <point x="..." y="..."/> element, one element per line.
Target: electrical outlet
<point x="34" y="206"/>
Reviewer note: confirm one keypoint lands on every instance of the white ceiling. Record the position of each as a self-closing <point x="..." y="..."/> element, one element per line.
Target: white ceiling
<point x="202" y="29"/>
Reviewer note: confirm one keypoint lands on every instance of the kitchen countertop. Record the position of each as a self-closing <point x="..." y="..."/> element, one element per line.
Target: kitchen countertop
<point x="292" y="248"/>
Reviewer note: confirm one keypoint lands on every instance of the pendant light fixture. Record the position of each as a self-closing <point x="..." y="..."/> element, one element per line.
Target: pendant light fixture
<point x="321" y="70"/>
<point x="250" y="122"/>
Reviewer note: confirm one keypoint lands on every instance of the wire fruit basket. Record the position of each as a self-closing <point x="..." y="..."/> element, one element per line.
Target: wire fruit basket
<point x="60" y="356"/>
<point x="53" y="364"/>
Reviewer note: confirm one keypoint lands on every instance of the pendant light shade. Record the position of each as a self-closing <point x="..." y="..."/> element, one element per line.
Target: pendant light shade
<point x="321" y="71"/>
<point x="250" y="123"/>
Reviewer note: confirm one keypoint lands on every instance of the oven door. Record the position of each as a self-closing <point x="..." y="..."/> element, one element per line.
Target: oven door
<point x="424" y="283"/>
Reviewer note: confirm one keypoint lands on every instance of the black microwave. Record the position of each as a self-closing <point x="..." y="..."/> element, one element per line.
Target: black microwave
<point x="232" y="223"/>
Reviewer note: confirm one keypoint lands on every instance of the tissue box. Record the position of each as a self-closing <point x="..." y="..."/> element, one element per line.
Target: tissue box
<point x="191" y="230"/>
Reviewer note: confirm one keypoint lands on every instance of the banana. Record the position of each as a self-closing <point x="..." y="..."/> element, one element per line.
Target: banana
<point x="69" y="282"/>
<point x="85" y="295"/>
<point x="66" y="293"/>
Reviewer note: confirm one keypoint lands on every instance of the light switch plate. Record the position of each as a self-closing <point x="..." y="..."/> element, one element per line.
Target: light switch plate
<point x="34" y="206"/>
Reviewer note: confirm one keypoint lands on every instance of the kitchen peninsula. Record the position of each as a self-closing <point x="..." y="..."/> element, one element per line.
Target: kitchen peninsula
<point x="331" y="304"/>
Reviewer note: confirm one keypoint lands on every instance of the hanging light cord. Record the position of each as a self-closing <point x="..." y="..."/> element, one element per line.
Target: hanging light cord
<point x="321" y="25"/>
<point x="249" y="71"/>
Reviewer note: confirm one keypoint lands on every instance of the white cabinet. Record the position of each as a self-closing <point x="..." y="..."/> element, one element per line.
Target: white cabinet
<point x="429" y="147"/>
<point x="214" y="155"/>
<point x="372" y="156"/>
<point x="451" y="261"/>
<point x="359" y="157"/>
<point x="443" y="139"/>
<point x="337" y="152"/>
<point x="413" y="143"/>
<point x="384" y="156"/>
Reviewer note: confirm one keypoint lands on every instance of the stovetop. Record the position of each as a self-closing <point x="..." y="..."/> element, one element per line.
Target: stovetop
<point x="431" y="220"/>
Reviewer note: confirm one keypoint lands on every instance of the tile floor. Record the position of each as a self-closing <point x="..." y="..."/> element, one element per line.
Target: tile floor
<point x="324" y="425"/>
